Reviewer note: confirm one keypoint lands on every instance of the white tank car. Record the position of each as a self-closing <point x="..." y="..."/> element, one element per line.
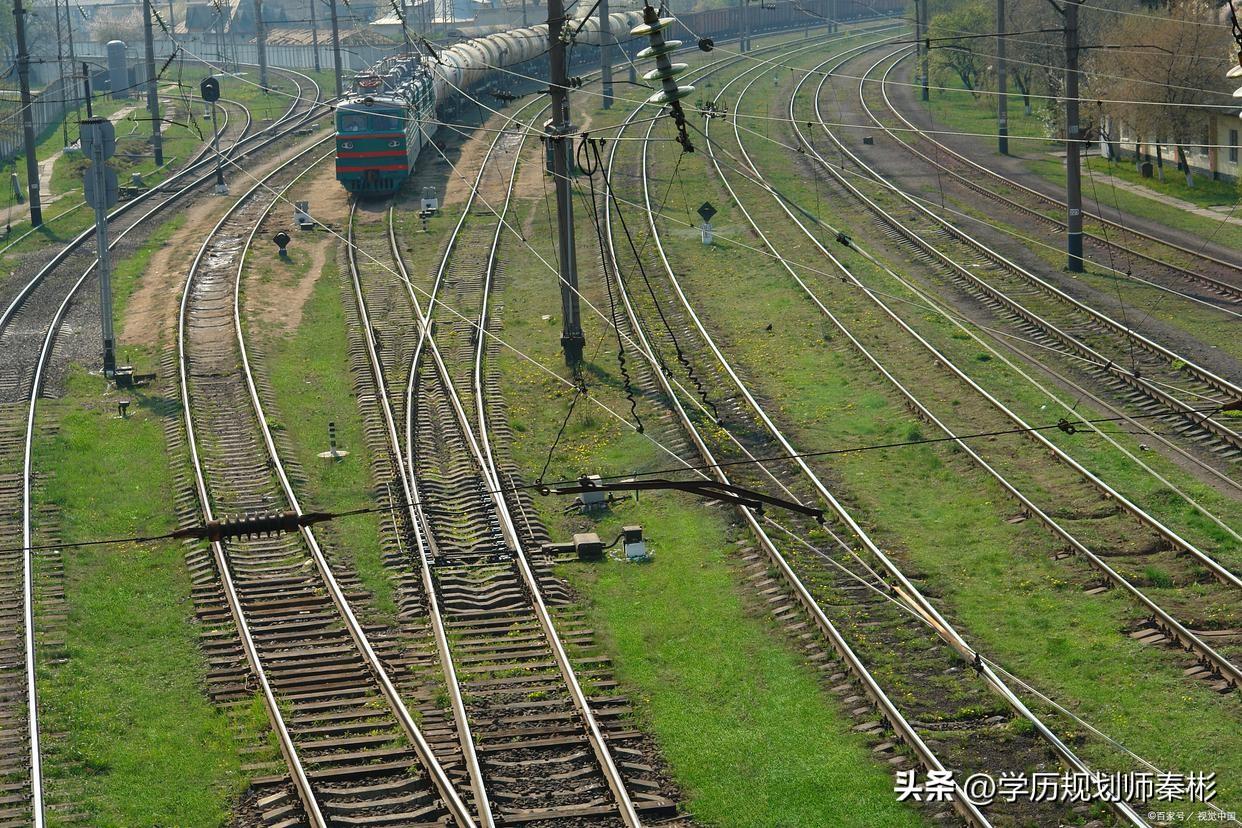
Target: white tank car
<point x="472" y="62"/>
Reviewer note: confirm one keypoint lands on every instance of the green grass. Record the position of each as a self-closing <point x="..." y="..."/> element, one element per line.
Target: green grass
<point x="941" y="518"/>
<point x="743" y="723"/>
<point x="1205" y="192"/>
<point x="749" y="734"/>
<point x="1219" y="231"/>
<point x="311" y="380"/>
<point x="959" y="111"/>
<point x="141" y="744"/>
<point x="954" y="109"/>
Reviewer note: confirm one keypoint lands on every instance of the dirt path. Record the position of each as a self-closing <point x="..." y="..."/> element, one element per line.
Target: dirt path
<point x="275" y="305"/>
<point x="152" y="311"/>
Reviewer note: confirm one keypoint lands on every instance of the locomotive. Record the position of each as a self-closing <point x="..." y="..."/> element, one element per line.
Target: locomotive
<point x="389" y="115"/>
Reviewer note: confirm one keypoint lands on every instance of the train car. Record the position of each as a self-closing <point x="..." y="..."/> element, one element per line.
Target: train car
<point x="383" y="125"/>
<point x="391" y="113"/>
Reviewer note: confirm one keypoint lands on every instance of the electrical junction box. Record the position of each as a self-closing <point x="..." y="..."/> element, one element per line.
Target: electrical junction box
<point x="588" y="546"/>
<point x="302" y="216"/>
<point x="635" y="546"/>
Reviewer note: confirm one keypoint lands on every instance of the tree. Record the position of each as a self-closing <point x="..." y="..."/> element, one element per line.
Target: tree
<point x="955" y="51"/>
<point x="1152" y="74"/>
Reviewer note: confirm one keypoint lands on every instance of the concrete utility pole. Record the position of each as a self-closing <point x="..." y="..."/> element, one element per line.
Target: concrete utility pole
<point x="153" y="94"/>
<point x="336" y="45"/>
<point x="260" y="39"/>
<point x="1002" y="70"/>
<point x="98" y="144"/>
<point x="572" y="340"/>
<point x="60" y="64"/>
<point x="605" y="54"/>
<point x="1073" y="146"/>
<point x="28" y="134"/>
<point x="73" y="58"/>
<point x="314" y="34"/>
<point x="743" y="43"/>
<point x="926" y="38"/>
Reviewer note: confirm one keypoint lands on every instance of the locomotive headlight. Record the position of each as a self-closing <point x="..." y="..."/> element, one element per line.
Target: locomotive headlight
<point x="347" y="145"/>
<point x="394" y="143"/>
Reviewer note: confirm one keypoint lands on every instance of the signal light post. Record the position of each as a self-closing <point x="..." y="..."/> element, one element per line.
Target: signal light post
<point x="209" y="88"/>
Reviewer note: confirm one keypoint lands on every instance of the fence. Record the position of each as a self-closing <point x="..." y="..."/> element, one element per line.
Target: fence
<point x="47" y="108"/>
<point x="207" y="47"/>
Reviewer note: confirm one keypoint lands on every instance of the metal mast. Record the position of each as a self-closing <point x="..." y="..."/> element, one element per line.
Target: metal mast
<point x="572" y="339"/>
<point x="605" y="54"/>
<point x="153" y="95"/>
<point x="28" y="134"/>
<point x="920" y="10"/>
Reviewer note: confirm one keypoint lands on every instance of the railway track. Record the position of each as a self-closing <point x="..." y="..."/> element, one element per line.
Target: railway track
<point x="513" y="652"/>
<point x="353" y="750"/>
<point x="28" y="333"/>
<point x="1220" y="280"/>
<point x="1142" y="374"/>
<point x="1104" y="531"/>
<point x="1105" y="518"/>
<point x="824" y="577"/>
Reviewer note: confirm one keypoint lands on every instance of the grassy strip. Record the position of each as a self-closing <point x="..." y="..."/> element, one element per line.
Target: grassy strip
<point x="308" y="369"/>
<point x="748" y="733"/>
<point x="943" y="520"/>
<point x="142" y="746"/>
<point x="958" y="111"/>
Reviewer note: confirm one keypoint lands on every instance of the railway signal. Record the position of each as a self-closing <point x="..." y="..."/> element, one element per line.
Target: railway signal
<point x="209" y="88"/>
<point x="102" y="191"/>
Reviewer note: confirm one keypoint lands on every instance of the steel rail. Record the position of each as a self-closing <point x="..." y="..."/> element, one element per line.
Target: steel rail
<point x="900" y="725"/>
<point x="1175" y="628"/>
<point x="1221" y="572"/>
<point x="353" y="625"/>
<point x="1233" y="290"/>
<point x="612" y="775"/>
<point x="275" y="716"/>
<point x="426" y="342"/>
<point x="412" y="496"/>
<point x="1204" y="375"/>
<point x="163" y="189"/>
<point x="38" y="816"/>
<point x="194" y="159"/>
<point x="907" y="592"/>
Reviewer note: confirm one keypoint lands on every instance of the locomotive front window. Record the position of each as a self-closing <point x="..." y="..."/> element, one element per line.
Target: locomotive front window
<point x="353" y="122"/>
<point x="385" y="123"/>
